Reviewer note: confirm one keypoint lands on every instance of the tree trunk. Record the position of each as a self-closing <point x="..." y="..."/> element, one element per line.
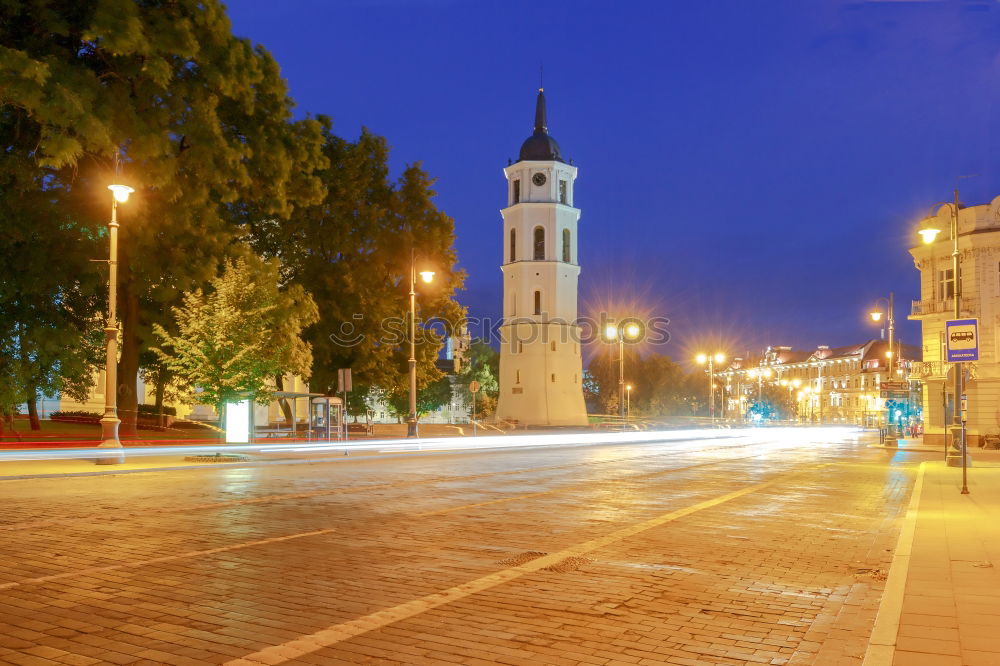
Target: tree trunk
<point x="286" y="409"/>
<point x="161" y="388"/>
<point x="128" y="361"/>
<point x="32" y="401"/>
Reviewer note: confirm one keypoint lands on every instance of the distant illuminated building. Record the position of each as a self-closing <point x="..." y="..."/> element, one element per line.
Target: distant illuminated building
<point x="827" y="385"/>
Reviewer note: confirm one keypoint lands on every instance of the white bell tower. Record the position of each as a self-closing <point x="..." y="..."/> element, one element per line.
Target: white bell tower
<point x="541" y="367"/>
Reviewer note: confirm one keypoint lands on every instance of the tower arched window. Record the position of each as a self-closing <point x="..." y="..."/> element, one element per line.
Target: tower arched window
<point x="566" y="251"/>
<point x="538" y="302"/>
<point x="513" y="245"/>
<point x="539" y="244"/>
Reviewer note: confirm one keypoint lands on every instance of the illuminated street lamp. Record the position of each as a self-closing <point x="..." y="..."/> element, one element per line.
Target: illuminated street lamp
<point x="876" y="316"/>
<point x="711" y="359"/>
<point x="808" y="391"/>
<point x="110" y="420"/>
<point x="792" y="384"/>
<point x="957" y="454"/>
<point x="620" y="332"/>
<point x="426" y="276"/>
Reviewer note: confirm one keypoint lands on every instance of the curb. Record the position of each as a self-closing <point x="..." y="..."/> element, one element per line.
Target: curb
<point x="882" y="643"/>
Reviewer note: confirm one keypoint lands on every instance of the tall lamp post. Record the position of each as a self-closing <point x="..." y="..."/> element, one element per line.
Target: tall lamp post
<point x="628" y="402"/>
<point x="426" y="276"/>
<point x="759" y="375"/>
<point x="792" y="385"/>
<point x="620" y="332"/>
<point x="711" y="360"/>
<point x="110" y="420"/>
<point x="876" y="316"/>
<point x="957" y="454"/>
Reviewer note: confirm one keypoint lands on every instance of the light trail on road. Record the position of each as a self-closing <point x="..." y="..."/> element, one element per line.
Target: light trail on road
<point x="780" y="436"/>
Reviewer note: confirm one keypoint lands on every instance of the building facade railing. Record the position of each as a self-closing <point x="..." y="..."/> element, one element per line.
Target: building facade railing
<point x="933" y="306"/>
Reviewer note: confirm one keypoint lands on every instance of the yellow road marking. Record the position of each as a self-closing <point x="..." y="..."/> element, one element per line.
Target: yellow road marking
<point x="334" y="634"/>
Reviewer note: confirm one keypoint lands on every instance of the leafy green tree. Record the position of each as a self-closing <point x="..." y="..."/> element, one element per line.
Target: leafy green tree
<point x="352" y="252"/>
<point x="483" y="366"/>
<point x="659" y="387"/>
<point x="232" y="340"/>
<point x="202" y="119"/>
<point x="51" y="336"/>
<point x="774" y="402"/>
<point x="603" y="370"/>
<point x="431" y="397"/>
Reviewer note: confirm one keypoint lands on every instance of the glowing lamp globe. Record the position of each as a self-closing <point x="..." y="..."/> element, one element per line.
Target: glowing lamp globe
<point x="611" y="332"/>
<point x="928" y="234"/>
<point x="426" y="276"/>
<point x="632" y="331"/>
<point x="876" y="316"/>
<point x="120" y="192"/>
<point x="719" y="358"/>
<point x="700" y="359"/>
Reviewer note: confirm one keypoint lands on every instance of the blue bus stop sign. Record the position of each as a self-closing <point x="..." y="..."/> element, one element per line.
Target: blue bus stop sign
<point x="962" y="340"/>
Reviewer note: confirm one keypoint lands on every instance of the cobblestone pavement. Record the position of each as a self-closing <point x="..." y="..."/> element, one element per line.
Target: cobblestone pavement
<point x="766" y="550"/>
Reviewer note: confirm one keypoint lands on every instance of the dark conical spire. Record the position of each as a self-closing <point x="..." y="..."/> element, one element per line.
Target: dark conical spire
<point x="540" y="125"/>
<point x="540" y="146"/>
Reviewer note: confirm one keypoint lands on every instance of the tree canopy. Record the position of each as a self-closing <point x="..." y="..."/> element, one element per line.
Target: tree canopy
<point x="353" y="251"/>
<point x="201" y="122"/>
<point x="232" y="340"/>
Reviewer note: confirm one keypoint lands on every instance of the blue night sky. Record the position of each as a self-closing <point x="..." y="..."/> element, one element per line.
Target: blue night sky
<point x="752" y="170"/>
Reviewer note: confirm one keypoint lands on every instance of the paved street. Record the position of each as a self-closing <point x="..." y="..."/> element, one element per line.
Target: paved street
<point x="766" y="549"/>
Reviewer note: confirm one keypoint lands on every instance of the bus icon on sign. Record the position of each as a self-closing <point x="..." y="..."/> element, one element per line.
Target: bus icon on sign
<point x="962" y="340"/>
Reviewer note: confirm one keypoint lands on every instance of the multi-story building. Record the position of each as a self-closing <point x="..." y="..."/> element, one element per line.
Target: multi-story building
<point x="828" y="385"/>
<point x="979" y="296"/>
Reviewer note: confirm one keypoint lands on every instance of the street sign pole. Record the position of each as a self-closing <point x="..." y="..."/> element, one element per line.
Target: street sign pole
<point x="965" y="457"/>
<point x="473" y="389"/>
<point x="962" y="345"/>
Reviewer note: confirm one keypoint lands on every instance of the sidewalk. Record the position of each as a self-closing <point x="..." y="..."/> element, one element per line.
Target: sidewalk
<point x="941" y="605"/>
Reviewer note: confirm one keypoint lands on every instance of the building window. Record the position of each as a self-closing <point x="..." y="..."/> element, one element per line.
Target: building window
<point x="513" y="245"/>
<point x="515" y="194"/>
<point x="566" y="252"/>
<point x="517" y="376"/>
<point x="552" y="345"/>
<point x="553" y="378"/>
<point x="538" y="302"/>
<point x="539" y="244"/>
<point x="563" y="192"/>
<point x="946" y="284"/>
<point x="520" y="348"/>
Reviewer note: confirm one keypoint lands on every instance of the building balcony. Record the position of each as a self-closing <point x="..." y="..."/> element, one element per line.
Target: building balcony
<point x="934" y="306"/>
